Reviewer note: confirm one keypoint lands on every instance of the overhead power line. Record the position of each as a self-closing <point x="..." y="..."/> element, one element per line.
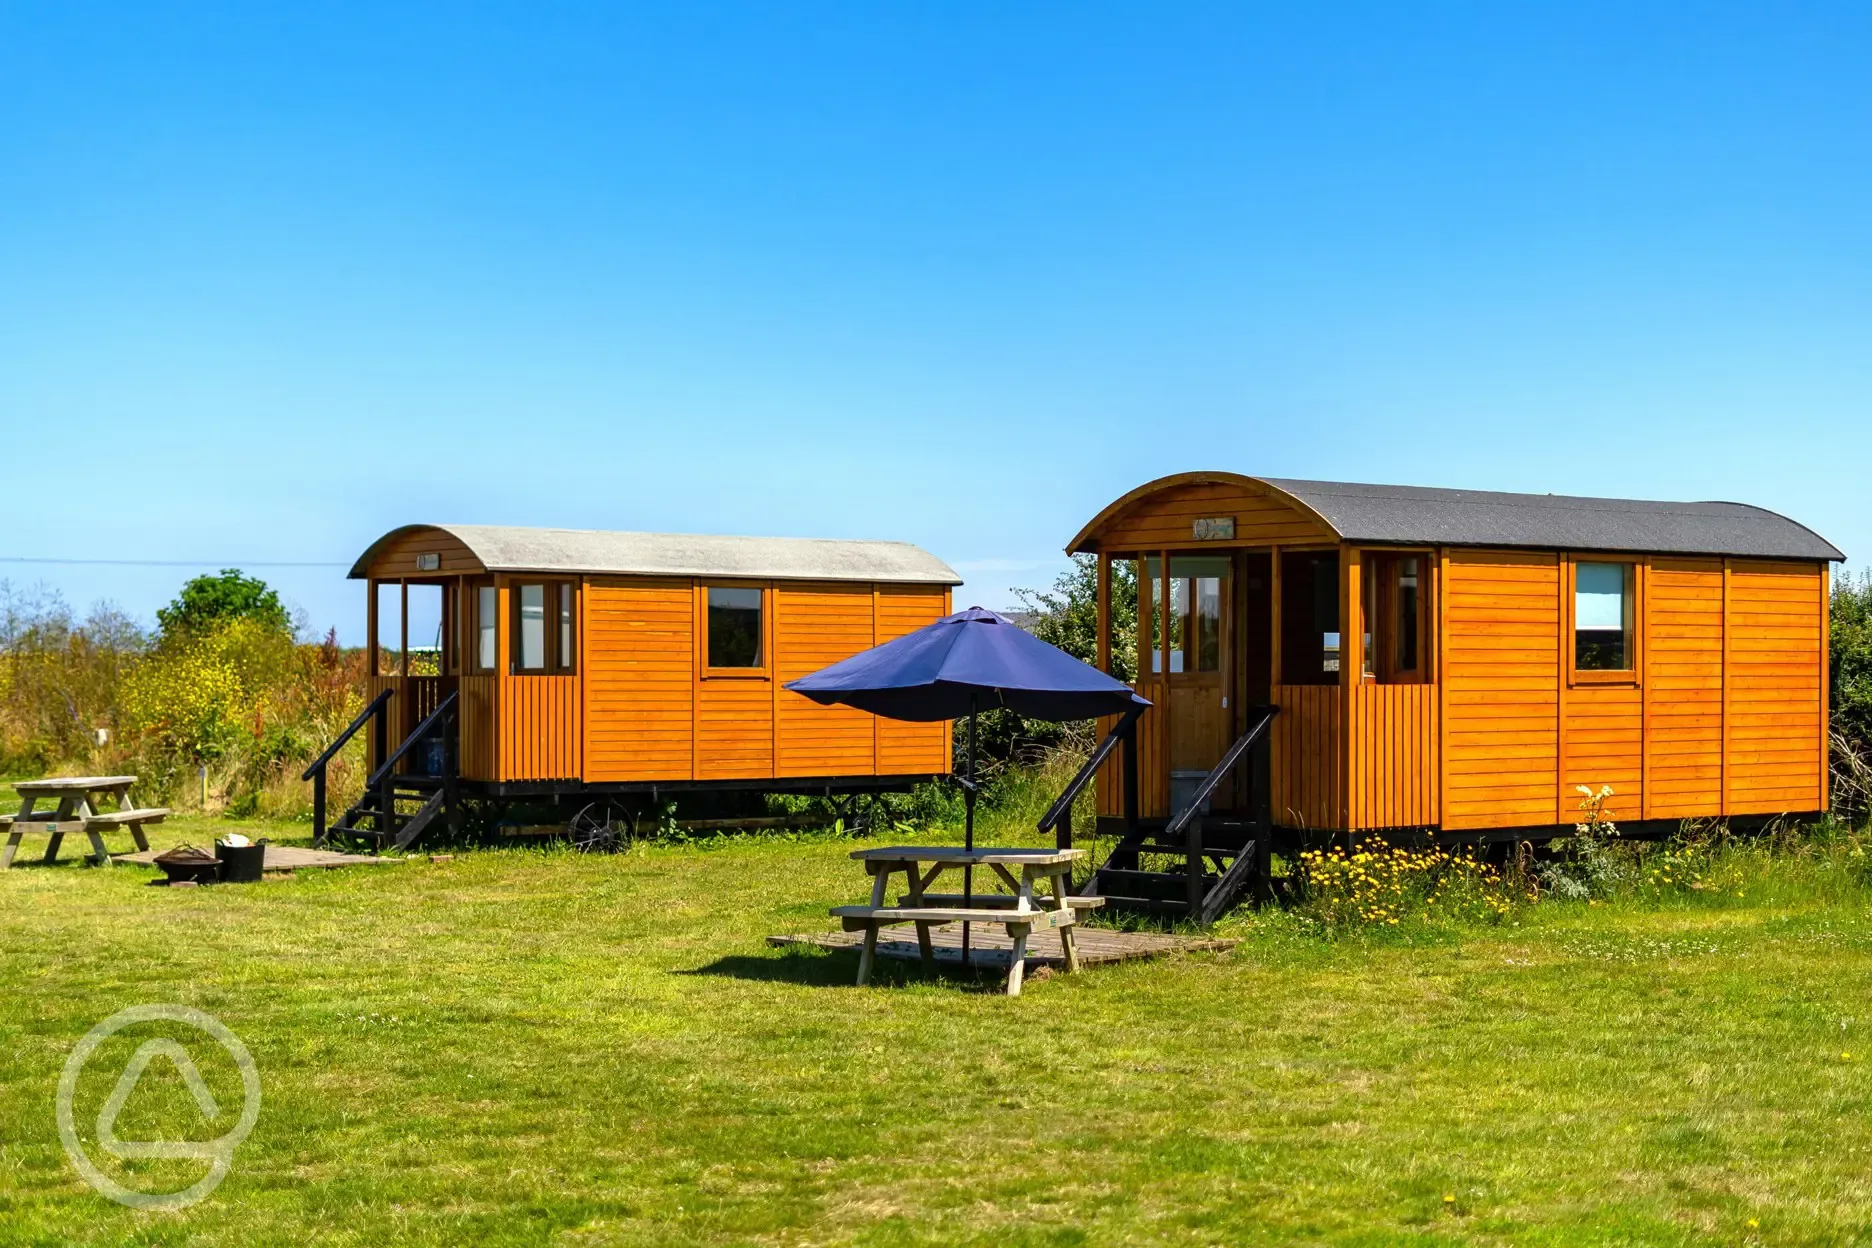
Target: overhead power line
<point x="178" y="563"/>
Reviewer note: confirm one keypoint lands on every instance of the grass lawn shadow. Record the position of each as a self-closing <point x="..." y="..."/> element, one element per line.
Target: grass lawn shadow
<point x="839" y="969"/>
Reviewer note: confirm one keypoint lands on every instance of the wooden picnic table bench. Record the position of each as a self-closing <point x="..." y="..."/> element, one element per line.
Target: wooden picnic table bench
<point x="75" y="808"/>
<point x="1020" y="911"/>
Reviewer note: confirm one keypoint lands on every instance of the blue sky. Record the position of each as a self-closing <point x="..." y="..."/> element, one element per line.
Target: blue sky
<point x="272" y="283"/>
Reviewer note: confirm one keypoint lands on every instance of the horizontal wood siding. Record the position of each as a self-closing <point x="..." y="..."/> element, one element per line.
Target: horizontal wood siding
<point x="1603" y="744"/>
<point x="1307" y="759"/>
<point x="639" y="679"/>
<point x="1776" y="668"/>
<point x="1394" y="744"/>
<point x="1163" y="520"/>
<point x="1501" y="663"/>
<point x="734" y="729"/>
<point x="814" y="627"/>
<point x="540" y="737"/>
<point x="905" y="749"/>
<point x="1683" y="648"/>
<point x="398" y="558"/>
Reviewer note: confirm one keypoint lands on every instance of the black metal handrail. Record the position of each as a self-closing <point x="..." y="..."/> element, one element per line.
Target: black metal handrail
<point x="1061" y="810"/>
<point x="316" y="772"/>
<point x="1188" y="822"/>
<point x="445" y="709"/>
<point x="1219" y="772"/>
<point x="363" y="717"/>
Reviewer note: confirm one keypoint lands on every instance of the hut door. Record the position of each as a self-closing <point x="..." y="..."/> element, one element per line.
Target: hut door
<point x="1200" y="631"/>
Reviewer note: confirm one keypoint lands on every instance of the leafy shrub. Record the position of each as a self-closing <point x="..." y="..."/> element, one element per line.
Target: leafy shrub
<point x="1589" y="863"/>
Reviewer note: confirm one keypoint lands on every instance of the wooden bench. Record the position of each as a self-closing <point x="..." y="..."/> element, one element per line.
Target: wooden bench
<point x="858" y="918"/>
<point x="996" y="900"/>
<point x="76" y="801"/>
<point x="1019" y="912"/>
<point x="128" y="818"/>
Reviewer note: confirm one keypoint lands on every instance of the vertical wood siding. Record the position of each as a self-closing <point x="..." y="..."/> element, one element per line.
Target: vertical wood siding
<point x="910" y="749"/>
<point x="1776" y="669"/>
<point x="1501" y="665"/>
<point x="375" y="684"/>
<point x="477" y="718"/>
<point x="1683" y="688"/>
<point x="1306" y="762"/>
<point x="539" y="720"/>
<point x="639" y="680"/>
<point x="1394" y="745"/>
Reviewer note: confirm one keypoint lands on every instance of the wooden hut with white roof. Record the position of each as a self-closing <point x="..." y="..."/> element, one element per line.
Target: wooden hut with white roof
<point x="554" y="663"/>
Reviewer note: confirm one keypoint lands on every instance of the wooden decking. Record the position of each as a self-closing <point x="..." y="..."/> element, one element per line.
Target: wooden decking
<point x="989" y="945"/>
<point x="283" y="858"/>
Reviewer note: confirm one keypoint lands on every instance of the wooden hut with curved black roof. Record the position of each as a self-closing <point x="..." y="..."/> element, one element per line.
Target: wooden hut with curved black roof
<point x="1460" y="661"/>
<point x="570" y="665"/>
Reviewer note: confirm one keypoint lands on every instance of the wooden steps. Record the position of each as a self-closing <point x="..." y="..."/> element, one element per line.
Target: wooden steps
<point x="1221" y="856"/>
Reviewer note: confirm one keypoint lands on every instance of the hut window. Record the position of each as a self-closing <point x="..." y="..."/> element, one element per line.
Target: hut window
<point x="566" y="652"/>
<point x="487" y="627"/>
<point x="530" y="655"/>
<point x="1602" y="617"/>
<point x="389" y="636"/>
<point x="1393" y="610"/>
<point x="427" y="632"/>
<point x="1197" y="589"/>
<point x="1309" y="623"/>
<point x="734" y="627"/>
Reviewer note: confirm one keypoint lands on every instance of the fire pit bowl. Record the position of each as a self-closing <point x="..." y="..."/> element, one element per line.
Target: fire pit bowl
<point x="185" y="864"/>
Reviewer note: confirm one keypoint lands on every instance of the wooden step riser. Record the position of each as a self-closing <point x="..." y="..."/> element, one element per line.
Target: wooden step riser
<point x="1161" y="885"/>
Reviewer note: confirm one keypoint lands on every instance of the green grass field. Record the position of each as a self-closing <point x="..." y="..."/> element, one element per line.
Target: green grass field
<point x="532" y="1047"/>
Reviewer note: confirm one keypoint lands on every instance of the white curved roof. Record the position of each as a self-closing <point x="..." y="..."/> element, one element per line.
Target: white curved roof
<point x="502" y="548"/>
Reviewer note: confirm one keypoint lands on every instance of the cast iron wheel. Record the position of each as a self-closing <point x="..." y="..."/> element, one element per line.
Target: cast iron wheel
<point x="602" y="828"/>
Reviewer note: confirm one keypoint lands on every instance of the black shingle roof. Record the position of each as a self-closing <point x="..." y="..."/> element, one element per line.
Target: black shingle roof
<point x="1422" y="515"/>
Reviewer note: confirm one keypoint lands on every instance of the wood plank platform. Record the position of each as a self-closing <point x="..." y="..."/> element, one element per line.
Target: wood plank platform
<point x="989" y="945"/>
<point x="281" y="858"/>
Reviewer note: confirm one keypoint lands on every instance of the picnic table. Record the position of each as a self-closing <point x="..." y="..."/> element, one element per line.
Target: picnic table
<point x="1020" y="910"/>
<point x="75" y="806"/>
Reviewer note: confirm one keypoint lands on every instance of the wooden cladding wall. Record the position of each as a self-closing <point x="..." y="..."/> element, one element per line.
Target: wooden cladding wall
<point x="1307" y="759"/>
<point x="375" y="684"/>
<point x="539" y="728"/>
<point x="1163" y="520"/>
<point x="1501" y="679"/>
<point x="398" y="557"/>
<point x="813" y="628"/>
<point x="639" y="680"/>
<point x="1683" y="688"/>
<point x="905" y="749"/>
<point x="734" y="725"/>
<point x="1723" y="714"/>
<point x="654" y="713"/>
<point x="1602" y="743"/>
<point x="1394" y="756"/>
<point x="1774" y="688"/>
<point x="475" y="720"/>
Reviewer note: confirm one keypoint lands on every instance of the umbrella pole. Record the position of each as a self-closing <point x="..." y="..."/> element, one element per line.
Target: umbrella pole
<point x="968" y="830"/>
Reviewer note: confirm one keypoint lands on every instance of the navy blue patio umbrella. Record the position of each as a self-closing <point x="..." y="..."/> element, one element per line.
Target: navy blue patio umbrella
<point x="972" y="661"/>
